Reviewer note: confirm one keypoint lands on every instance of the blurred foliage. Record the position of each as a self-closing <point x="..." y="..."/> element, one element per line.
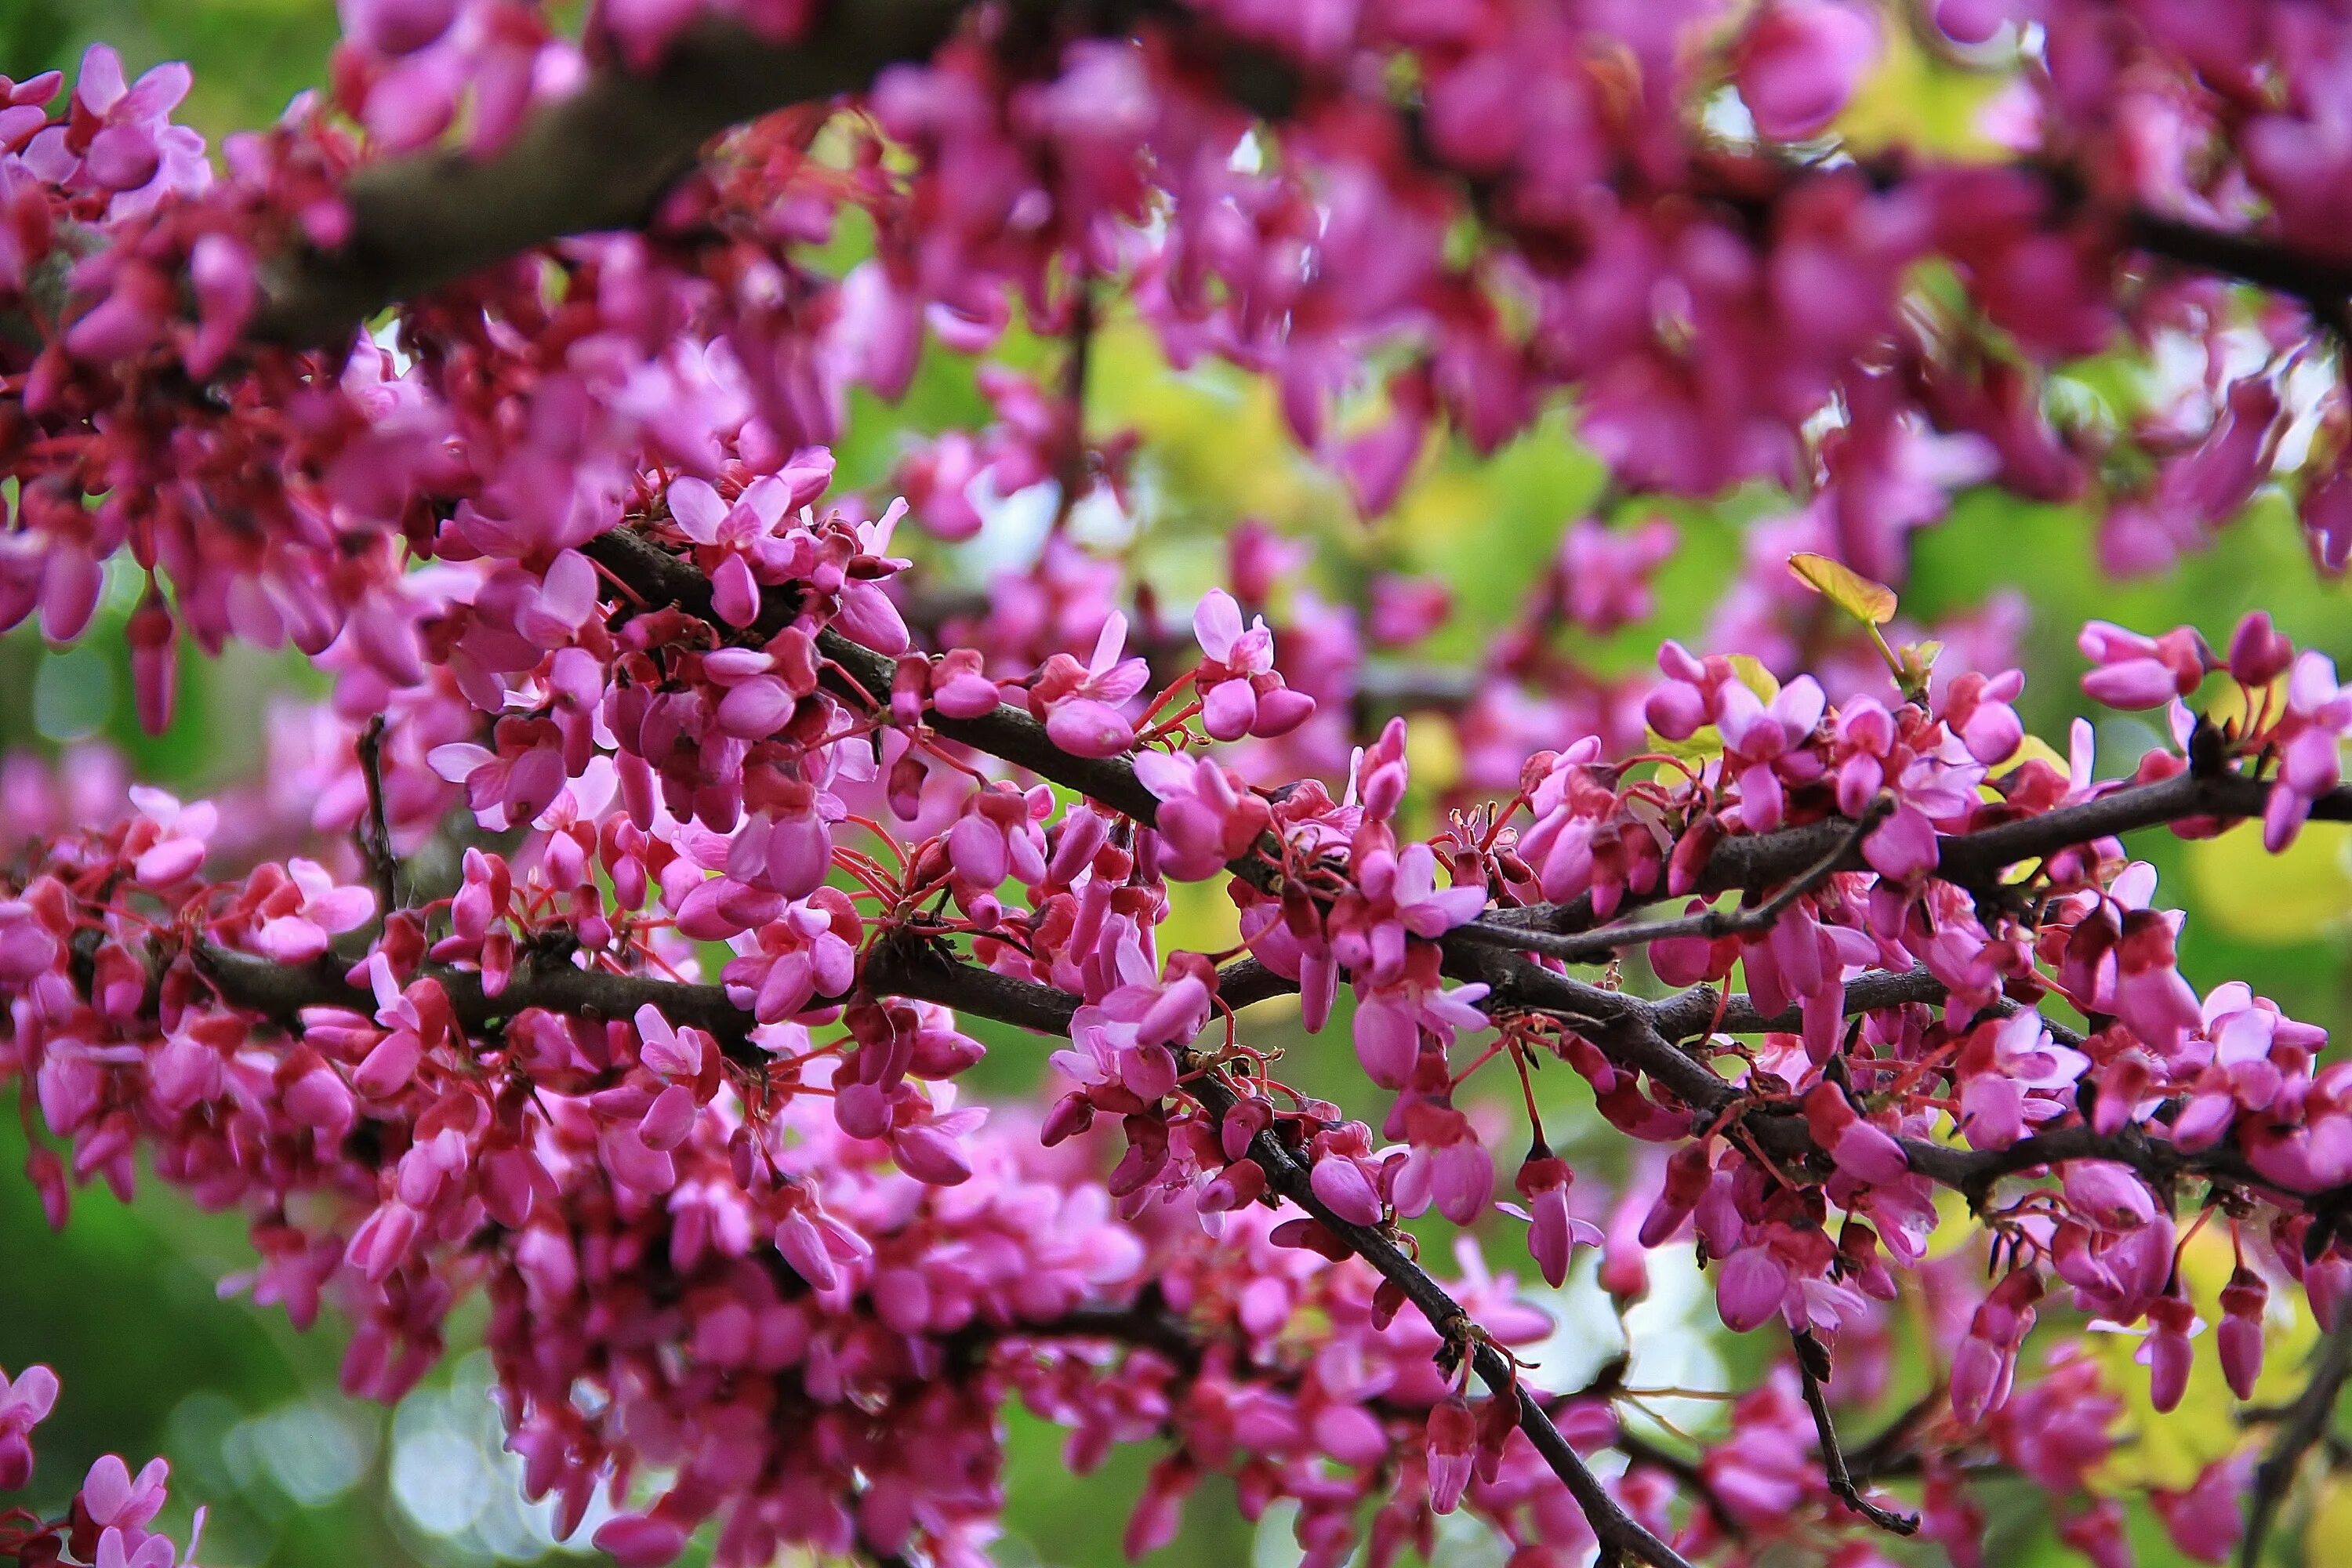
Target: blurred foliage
<point x="251" y="56"/>
<point x="123" y="1302"/>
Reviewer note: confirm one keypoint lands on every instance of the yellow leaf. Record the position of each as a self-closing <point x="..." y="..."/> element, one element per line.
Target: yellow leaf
<point x="1755" y="677"/>
<point x="1872" y="603"/>
<point x="2256" y="896"/>
<point x="1702" y="747"/>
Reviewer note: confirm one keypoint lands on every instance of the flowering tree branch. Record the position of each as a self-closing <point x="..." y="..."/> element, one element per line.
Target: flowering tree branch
<point x="1602" y="945"/>
<point x="678" y="695"/>
<point x="282" y="993"/>
<point x="598" y="159"/>
<point x="1623" y="1538"/>
<point x="1641" y="1034"/>
<point x="601" y="158"/>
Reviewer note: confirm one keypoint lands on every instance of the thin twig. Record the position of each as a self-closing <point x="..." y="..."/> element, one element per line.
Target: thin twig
<point x="1813" y="1365"/>
<point x="1622" y="1537"/>
<point x="375" y="833"/>
<point x="2307" y="1423"/>
<point x="1070" y="470"/>
<point x="1600" y="946"/>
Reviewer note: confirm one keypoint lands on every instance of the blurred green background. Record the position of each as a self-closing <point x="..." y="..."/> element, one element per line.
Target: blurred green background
<point x="124" y="1304"/>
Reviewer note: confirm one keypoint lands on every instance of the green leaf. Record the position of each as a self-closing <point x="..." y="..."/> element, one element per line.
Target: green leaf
<point x="1872" y="603"/>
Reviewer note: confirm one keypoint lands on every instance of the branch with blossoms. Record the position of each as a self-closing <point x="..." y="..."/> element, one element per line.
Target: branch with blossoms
<point x="566" y="534"/>
<point x="1998" y="837"/>
<point x="285" y="994"/>
<point x="602" y="157"/>
<point x="522" y="953"/>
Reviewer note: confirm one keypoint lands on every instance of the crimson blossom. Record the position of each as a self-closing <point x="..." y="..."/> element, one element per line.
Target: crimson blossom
<point x="611" y="944"/>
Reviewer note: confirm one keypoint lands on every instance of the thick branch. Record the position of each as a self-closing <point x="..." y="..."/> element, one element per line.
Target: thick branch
<point x="282" y="991"/>
<point x="910" y="968"/>
<point x="1803" y="857"/>
<point x="597" y="160"/>
<point x="1978" y="857"/>
<point x="2322" y="282"/>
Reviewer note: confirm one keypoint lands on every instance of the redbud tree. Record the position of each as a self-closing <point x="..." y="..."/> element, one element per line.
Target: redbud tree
<point x="666" y="835"/>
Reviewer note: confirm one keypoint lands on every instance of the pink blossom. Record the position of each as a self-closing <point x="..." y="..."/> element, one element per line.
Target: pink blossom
<point x="1241" y="693"/>
<point x="1544" y="1181"/>
<point x="1206" y="818"/>
<point x="1080" y="703"/>
<point x="24" y="1404"/>
<point x="1798" y="62"/>
<point x="2134" y="671"/>
<point x="1862" y="1150"/>
<point x="2311" y="733"/>
<point x="1453" y="1437"/>
<point x="303" y="909"/>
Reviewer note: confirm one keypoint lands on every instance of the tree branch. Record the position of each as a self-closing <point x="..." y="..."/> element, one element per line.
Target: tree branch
<point x="600" y="159"/>
<point x="1622" y="1537"/>
<point x="597" y="160"/>
<point x="1813" y="1366"/>
<point x="913" y="969"/>
<point x="1628" y="1027"/>
<point x="376" y="832"/>
<point x="1978" y="857"/>
<point x="860" y="676"/>
<point x="1811" y="853"/>
<point x="281" y="993"/>
<point x="2321" y="282"/>
<point x="2307" y="1420"/>
<point x="1600" y="946"/>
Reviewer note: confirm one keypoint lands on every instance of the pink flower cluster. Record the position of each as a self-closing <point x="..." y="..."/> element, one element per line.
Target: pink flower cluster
<point x="105" y="1525"/>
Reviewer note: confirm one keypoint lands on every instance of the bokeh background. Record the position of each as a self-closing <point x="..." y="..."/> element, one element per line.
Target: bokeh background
<point x="127" y="1305"/>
